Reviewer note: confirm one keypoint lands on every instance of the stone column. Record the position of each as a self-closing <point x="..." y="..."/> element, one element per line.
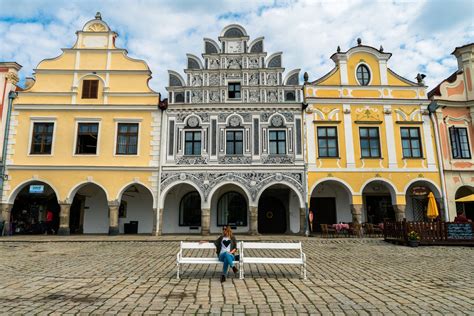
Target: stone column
<point x="253" y="220"/>
<point x="155" y="221"/>
<point x="399" y="212"/>
<point x="205" y="221"/>
<point x="113" y="217"/>
<point x="5" y="210"/>
<point x="64" y="215"/>
<point x="303" y="220"/>
<point x="159" y="232"/>
<point x="356" y="210"/>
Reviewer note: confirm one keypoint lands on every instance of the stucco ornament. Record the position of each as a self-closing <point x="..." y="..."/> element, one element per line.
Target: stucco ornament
<point x="234" y="121"/>
<point x="97" y="27"/>
<point x="193" y="121"/>
<point x="214" y="63"/>
<point x="277" y="121"/>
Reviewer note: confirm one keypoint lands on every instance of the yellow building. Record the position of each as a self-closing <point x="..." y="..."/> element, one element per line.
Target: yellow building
<point x="370" y="143"/>
<point x="84" y="142"/>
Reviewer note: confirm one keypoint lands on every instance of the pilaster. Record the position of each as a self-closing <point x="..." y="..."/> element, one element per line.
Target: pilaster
<point x="5" y="210"/>
<point x="113" y="217"/>
<point x="399" y="212"/>
<point x="205" y="221"/>
<point x="253" y="220"/>
<point x="64" y="216"/>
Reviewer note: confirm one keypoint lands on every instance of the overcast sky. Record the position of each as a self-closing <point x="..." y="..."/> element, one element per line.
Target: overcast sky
<point x="421" y="35"/>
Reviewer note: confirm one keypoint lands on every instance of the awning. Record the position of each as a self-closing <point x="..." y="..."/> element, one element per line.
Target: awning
<point x="469" y="198"/>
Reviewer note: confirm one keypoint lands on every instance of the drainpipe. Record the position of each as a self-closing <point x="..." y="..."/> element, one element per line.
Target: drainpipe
<point x="163" y="105"/>
<point x="3" y="177"/>
<point x="432" y="111"/>
<point x="304" y="105"/>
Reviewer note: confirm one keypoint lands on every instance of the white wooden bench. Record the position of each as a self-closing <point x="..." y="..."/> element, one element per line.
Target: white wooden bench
<point x="181" y="259"/>
<point x="245" y="258"/>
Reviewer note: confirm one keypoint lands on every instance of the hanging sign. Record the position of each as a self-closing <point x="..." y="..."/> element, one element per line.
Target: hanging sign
<point x="420" y="190"/>
<point x="36" y="188"/>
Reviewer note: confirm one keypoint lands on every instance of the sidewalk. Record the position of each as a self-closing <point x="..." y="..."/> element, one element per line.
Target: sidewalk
<point x="170" y="238"/>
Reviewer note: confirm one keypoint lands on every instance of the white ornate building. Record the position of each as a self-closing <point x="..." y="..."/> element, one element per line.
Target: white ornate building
<point x="233" y="153"/>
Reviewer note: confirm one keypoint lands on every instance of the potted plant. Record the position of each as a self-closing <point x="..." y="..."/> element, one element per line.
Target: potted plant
<point x="413" y="239"/>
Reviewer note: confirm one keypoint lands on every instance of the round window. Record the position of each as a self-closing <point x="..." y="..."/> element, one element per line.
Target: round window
<point x="363" y="75"/>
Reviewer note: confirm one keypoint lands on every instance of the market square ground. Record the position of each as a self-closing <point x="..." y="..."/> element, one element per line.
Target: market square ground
<point x="345" y="276"/>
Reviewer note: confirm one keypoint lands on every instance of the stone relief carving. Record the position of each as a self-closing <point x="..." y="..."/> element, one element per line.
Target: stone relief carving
<point x="193" y="121"/>
<point x="214" y="63"/>
<point x="214" y="96"/>
<point x="253" y="79"/>
<point x="277" y="159"/>
<point x="204" y="116"/>
<point x="234" y="63"/>
<point x="288" y="116"/>
<point x="226" y="160"/>
<point x="253" y="62"/>
<point x="272" y="79"/>
<point x="222" y="117"/>
<point x="247" y="117"/>
<point x="196" y="80"/>
<point x="272" y="96"/>
<point x="234" y="75"/>
<point x="277" y="121"/>
<point x="187" y="160"/>
<point x="214" y="80"/>
<point x="234" y="121"/>
<point x="254" y="182"/>
<point x="196" y="96"/>
<point x="254" y="96"/>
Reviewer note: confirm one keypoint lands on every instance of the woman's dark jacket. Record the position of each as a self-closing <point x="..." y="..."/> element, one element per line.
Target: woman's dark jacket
<point x="218" y="244"/>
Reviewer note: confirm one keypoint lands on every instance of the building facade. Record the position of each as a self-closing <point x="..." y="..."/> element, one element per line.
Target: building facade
<point x="453" y="108"/>
<point x="233" y="152"/>
<point x="84" y="142"/>
<point x="370" y="143"/>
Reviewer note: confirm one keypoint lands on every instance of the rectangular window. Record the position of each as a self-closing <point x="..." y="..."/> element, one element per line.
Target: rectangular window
<point x="86" y="142"/>
<point x="411" y="142"/>
<point x="234" y="143"/>
<point x="327" y="142"/>
<point x="89" y="89"/>
<point x="369" y="142"/>
<point x="234" y="90"/>
<point x="459" y="143"/>
<point x="42" y="138"/>
<point x="127" y="139"/>
<point x="192" y="143"/>
<point x="277" y="142"/>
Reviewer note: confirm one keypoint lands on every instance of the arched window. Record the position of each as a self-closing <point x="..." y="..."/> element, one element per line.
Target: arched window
<point x="363" y="75"/>
<point x="190" y="210"/>
<point x="232" y="210"/>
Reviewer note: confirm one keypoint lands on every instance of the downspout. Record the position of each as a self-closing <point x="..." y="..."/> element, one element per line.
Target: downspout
<point x="304" y="105"/>
<point x="11" y="96"/>
<point x="163" y="105"/>
<point x="432" y="111"/>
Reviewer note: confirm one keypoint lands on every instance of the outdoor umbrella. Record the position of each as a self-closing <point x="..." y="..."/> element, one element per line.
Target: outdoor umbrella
<point x="432" y="207"/>
<point x="469" y="198"/>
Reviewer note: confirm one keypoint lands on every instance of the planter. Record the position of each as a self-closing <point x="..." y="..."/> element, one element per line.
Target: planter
<point x="413" y="243"/>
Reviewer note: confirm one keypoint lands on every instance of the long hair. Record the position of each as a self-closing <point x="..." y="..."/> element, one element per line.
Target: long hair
<point x="229" y="231"/>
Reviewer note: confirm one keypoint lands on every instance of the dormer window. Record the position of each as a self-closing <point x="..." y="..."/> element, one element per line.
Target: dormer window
<point x="363" y="75"/>
<point x="234" y="90"/>
<point x="90" y="89"/>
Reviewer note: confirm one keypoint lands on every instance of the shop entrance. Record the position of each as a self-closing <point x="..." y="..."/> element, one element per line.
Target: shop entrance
<point x="30" y="208"/>
<point x="379" y="208"/>
<point x="76" y="219"/>
<point x="324" y="211"/>
<point x="272" y="215"/>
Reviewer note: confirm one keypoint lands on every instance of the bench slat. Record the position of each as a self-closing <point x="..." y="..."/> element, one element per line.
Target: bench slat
<point x="272" y="245"/>
<point x="201" y="260"/>
<point x="196" y="245"/>
<point x="272" y="260"/>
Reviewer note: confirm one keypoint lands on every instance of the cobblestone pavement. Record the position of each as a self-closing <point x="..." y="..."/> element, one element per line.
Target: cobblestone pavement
<point x="345" y="276"/>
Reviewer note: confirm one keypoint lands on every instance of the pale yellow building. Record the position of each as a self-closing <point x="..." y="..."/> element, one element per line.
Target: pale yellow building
<point x="370" y="143"/>
<point x="84" y="142"/>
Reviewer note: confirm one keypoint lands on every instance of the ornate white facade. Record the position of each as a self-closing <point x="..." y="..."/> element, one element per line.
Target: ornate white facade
<point x="233" y="124"/>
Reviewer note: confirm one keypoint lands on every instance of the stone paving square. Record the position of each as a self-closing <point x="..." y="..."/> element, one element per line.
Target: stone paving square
<point x="345" y="277"/>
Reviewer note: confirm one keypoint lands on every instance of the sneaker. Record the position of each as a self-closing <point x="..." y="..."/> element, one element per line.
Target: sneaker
<point x="222" y="278"/>
<point x="235" y="270"/>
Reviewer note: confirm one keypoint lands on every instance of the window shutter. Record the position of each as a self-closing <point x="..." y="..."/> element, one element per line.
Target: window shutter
<point x="86" y="84"/>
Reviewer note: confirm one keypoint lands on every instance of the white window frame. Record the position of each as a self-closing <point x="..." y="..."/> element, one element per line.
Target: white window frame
<point x="40" y="119"/>
<point x="242" y="129"/>
<point x="184" y="140"/>
<point x="370" y="73"/>
<point x="227" y="91"/>
<point x="451" y="145"/>
<point x="87" y="120"/>
<point x="286" y="140"/>
<point x="125" y="120"/>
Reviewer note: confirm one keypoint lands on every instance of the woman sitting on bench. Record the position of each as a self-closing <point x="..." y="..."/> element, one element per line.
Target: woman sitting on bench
<point x="226" y="246"/>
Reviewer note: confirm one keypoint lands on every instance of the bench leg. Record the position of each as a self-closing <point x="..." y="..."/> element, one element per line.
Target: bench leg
<point x="177" y="271"/>
<point x="304" y="271"/>
<point x="241" y="266"/>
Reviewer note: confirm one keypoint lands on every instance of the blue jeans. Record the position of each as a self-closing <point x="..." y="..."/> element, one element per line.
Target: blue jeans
<point x="228" y="260"/>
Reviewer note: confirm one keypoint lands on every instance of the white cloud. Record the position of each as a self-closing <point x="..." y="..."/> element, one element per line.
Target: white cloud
<point x="308" y="32"/>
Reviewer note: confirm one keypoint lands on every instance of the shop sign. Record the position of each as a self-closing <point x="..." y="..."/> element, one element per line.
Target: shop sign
<point x="36" y="188"/>
<point x="420" y="191"/>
